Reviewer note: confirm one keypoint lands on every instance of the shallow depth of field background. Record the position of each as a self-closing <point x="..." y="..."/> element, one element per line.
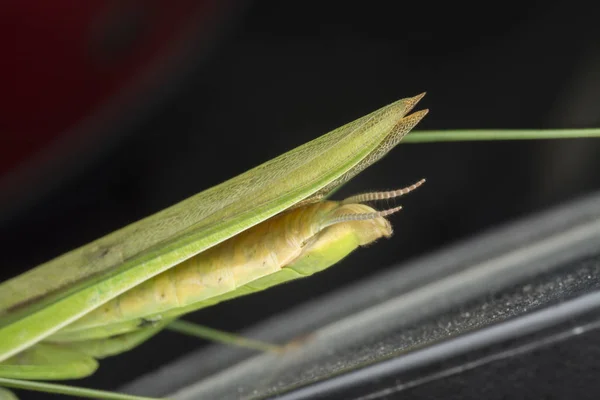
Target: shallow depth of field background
<point x="242" y="82"/>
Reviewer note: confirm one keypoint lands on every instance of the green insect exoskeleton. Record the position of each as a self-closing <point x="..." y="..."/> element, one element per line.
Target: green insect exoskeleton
<point x="267" y="226"/>
<point x="292" y="245"/>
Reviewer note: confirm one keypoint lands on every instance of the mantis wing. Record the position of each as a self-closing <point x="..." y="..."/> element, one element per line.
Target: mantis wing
<point x="47" y="298"/>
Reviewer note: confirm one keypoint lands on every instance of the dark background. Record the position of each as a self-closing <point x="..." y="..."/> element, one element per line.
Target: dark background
<point x="258" y="78"/>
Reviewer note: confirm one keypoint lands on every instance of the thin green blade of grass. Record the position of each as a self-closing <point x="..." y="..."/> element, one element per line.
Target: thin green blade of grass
<point x="499" y="134"/>
<point x="68" y="390"/>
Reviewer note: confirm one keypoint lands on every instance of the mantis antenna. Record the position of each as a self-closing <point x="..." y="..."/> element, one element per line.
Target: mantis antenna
<point x="373" y="196"/>
<point x="360" y="217"/>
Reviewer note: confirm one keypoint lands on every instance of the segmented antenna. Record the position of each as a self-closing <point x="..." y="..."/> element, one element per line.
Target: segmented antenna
<point x="361" y="217"/>
<point x="361" y="198"/>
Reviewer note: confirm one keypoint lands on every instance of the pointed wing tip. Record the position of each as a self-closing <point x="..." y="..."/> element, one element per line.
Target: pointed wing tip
<point x="409" y="121"/>
<point x="420" y="114"/>
<point x="414" y="100"/>
<point x="419" y="96"/>
<point x="411" y="102"/>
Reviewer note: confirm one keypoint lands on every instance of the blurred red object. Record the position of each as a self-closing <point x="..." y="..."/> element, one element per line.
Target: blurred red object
<point x="64" y="59"/>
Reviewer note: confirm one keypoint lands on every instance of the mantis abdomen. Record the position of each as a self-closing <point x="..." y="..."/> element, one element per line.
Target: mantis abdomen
<point x="294" y="244"/>
<point x="297" y="243"/>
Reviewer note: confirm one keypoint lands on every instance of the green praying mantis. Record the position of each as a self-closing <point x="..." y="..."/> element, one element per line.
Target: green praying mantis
<point x="269" y="225"/>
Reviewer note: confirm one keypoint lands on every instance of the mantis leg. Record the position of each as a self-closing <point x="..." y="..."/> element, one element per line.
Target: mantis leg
<point x="100" y="348"/>
<point x="54" y="361"/>
<point x="93" y="342"/>
<point x="48" y="362"/>
<point x="214" y="335"/>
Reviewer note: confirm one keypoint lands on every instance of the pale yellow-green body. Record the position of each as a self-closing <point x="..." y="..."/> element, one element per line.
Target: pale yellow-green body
<point x="288" y="246"/>
<point x="294" y="244"/>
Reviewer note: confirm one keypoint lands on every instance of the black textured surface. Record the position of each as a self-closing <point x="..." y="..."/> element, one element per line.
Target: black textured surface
<point x="508" y="368"/>
<point x="565" y="369"/>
